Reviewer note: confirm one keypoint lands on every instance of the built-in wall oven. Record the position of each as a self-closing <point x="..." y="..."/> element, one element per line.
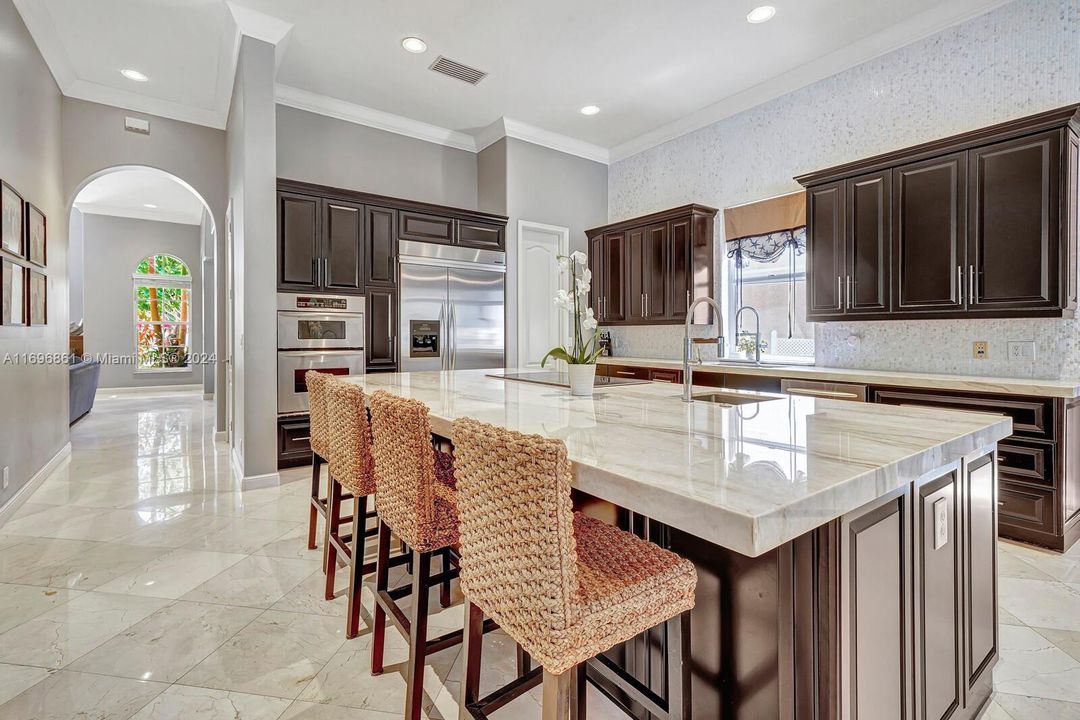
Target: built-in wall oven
<point x="316" y="332"/>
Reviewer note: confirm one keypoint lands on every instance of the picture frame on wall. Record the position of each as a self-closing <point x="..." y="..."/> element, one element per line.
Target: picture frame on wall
<point x="39" y="298"/>
<point x="36" y="240"/>
<point x="11" y="220"/>
<point x="12" y="293"/>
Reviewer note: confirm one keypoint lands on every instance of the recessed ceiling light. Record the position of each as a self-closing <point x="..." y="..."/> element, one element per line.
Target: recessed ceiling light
<point x="590" y="110"/>
<point x="152" y="206"/>
<point x="414" y="45"/>
<point x="760" y="14"/>
<point x="134" y="75"/>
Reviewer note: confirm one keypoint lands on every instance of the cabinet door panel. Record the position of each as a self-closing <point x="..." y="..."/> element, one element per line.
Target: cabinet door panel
<point x="980" y="558"/>
<point x="380" y="239"/>
<point x="825" y="261"/>
<point x="681" y="273"/>
<point x="929" y="237"/>
<point x="938" y="627"/>
<point x="480" y="235"/>
<point x="381" y="350"/>
<point x="635" y="274"/>
<point x="614" y="288"/>
<point x="869" y="203"/>
<point x="1013" y="242"/>
<point x="343" y="243"/>
<point x="655" y="270"/>
<point x="425" y="228"/>
<point x="298" y="242"/>
<point x="596" y="266"/>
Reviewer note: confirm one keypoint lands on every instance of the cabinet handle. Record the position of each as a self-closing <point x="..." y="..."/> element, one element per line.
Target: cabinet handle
<point x="839" y="292"/>
<point x="641" y="304"/>
<point x="625" y="372"/>
<point x="850" y="294"/>
<point x="687" y="301"/>
<point x="646" y="304"/>
<point x="972" y="296"/>
<point x="960" y="282"/>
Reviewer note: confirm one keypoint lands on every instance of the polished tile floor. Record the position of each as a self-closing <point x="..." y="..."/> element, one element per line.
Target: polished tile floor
<point x="140" y="582"/>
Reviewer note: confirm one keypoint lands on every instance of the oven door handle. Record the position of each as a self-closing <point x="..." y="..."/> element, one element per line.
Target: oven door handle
<point x="303" y="353"/>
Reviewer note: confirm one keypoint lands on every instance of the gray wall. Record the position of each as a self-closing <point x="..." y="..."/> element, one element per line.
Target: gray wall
<point x="114" y="248"/>
<point x="94" y="140"/>
<point x="208" y="253"/>
<point x="552" y="187"/>
<point x="252" y="183"/>
<point x="75" y="265"/>
<point x="33" y="398"/>
<point x="319" y="149"/>
<point x="1020" y="59"/>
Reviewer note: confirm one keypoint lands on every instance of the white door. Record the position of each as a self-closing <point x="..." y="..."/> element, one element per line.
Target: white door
<point x="230" y="320"/>
<point x="541" y="325"/>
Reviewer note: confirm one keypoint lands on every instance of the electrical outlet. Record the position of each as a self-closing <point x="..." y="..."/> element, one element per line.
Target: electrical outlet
<point x="1021" y="350"/>
<point x="980" y="349"/>
<point x="941" y="523"/>
<point x="7" y="478"/>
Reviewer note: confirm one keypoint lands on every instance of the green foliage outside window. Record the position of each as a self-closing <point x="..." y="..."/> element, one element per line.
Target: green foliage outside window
<point x="162" y="314"/>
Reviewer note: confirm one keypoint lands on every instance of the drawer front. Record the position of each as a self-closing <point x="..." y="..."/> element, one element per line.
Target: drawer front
<point x="1032" y="417"/>
<point x="1026" y="462"/>
<point x="1026" y="507"/>
<point x="294" y="441"/>
<point x="480" y="235"/>
<point x="425" y="228"/>
<point x="626" y="371"/>
<point x="668" y="376"/>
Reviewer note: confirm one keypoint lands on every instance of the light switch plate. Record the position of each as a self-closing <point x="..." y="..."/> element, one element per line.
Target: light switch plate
<point x="980" y="349"/>
<point x="1021" y="350"/>
<point x="941" y="523"/>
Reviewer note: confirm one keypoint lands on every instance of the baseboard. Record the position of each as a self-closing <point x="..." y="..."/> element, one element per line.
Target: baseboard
<point x="15" y="501"/>
<point x="207" y="396"/>
<point x="221" y="436"/>
<point x="147" y="389"/>
<point x="252" y="482"/>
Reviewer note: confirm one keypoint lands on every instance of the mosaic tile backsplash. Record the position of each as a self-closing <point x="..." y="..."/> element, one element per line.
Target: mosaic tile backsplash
<point x="1019" y="59"/>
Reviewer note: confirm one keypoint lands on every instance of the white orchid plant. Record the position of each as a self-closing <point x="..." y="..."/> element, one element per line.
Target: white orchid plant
<point x="584" y="350"/>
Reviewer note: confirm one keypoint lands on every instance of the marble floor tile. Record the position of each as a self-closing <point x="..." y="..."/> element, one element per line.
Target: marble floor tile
<point x="1039" y="603"/>
<point x="70" y="695"/>
<point x="60" y="636"/>
<point x="180" y="702"/>
<point x="18" y="560"/>
<point x="174" y="530"/>
<point x="278" y="655"/>
<point x="173" y="574"/>
<point x="14" y="679"/>
<point x="1007" y="618"/>
<point x="254" y="582"/>
<point x="1067" y="640"/>
<point x="284" y="508"/>
<point x="308" y="597"/>
<point x="243" y="535"/>
<point x="1059" y="567"/>
<point x="314" y="711"/>
<point x="167" y="644"/>
<point x="90" y="569"/>
<point x="293" y="544"/>
<point x="61" y="516"/>
<point x="19" y="603"/>
<point x="1020" y="707"/>
<point x="91" y="524"/>
<point x="1013" y="566"/>
<point x="1032" y="665"/>
<point x="30" y="508"/>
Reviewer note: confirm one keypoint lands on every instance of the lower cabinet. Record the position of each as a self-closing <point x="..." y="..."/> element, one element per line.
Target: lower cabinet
<point x="918" y="598"/>
<point x="381" y="349"/>
<point x="294" y="441"/>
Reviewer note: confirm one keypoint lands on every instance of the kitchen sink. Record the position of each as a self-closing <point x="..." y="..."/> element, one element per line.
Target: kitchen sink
<point x="731" y="398"/>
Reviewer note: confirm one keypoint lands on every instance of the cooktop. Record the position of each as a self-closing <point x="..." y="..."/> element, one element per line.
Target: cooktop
<point x="561" y="379"/>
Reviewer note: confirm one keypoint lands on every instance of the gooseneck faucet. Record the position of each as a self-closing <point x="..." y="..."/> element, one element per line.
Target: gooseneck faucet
<point x="757" y="331"/>
<point x="688" y="344"/>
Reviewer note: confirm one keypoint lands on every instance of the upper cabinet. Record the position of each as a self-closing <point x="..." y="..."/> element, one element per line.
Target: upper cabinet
<point x="977" y="225"/>
<point x="648" y="270"/>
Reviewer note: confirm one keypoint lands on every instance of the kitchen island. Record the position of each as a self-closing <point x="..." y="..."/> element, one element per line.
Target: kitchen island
<point x="846" y="552"/>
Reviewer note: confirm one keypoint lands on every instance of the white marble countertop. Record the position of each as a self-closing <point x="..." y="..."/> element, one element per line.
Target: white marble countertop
<point x="974" y="383"/>
<point x="749" y="478"/>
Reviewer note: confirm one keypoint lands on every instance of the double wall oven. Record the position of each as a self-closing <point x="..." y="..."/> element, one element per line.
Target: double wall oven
<point x="316" y="332"/>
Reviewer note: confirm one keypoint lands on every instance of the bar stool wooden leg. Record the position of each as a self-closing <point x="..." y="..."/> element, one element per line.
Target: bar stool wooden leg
<point x="579" y="702"/>
<point x="417" y="636"/>
<point x="558" y="694"/>
<point x="357" y="569"/>
<point x="471" y="650"/>
<point x="679" y="701"/>
<point x="444" y="590"/>
<point x="382" y="583"/>
<point x="313" y="513"/>
<point x="333" y="526"/>
<point x="524" y="661"/>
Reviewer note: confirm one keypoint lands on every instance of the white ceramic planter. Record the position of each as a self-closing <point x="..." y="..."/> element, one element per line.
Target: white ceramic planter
<point x="581" y="379"/>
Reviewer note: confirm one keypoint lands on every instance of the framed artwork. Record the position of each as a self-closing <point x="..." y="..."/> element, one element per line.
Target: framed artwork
<point x="35" y="235"/>
<point x="39" y="298"/>
<point x="11" y="220"/>
<point x="12" y="293"/>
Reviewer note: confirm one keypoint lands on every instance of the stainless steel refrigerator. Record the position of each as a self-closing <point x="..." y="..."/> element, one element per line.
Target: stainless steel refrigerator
<point x="453" y="303"/>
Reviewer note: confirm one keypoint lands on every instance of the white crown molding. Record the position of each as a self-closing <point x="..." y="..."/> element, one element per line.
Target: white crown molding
<point x="157" y="215"/>
<point x="351" y="112"/>
<point x="488" y="136"/>
<point x="911" y="30"/>
<point x="259" y="25"/>
<point x="555" y="141"/>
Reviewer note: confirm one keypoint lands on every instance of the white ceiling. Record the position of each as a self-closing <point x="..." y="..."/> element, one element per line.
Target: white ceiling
<point x="125" y="193"/>
<point x="656" y="69"/>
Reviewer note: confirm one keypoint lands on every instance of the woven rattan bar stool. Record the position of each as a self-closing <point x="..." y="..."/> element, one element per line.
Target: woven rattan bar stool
<point x="320" y="452"/>
<point x="565" y="586"/>
<point x="416" y="500"/>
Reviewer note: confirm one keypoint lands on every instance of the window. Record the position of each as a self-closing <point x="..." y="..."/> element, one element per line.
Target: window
<point x="768" y="273"/>
<point x="162" y="297"/>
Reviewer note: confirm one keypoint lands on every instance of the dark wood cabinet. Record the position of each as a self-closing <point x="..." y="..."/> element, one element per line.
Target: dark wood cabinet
<point x="294" y="441"/>
<point x="489" y="236"/>
<point x="343" y="247"/>
<point x="648" y="270"/>
<point x="381" y="350"/>
<point x="380" y="243"/>
<point x="298" y="242"/>
<point x="930" y="234"/>
<point x="980" y="636"/>
<point x="425" y="228"/>
<point x="982" y="224"/>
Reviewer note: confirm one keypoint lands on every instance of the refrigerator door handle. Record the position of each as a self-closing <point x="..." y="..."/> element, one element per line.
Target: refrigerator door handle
<point x="442" y="342"/>
<point x="453" y="335"/>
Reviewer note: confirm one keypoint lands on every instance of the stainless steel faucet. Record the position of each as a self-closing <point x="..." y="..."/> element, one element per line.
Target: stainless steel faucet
<point x="757" y="331"/>
<point x="688" y="344"/>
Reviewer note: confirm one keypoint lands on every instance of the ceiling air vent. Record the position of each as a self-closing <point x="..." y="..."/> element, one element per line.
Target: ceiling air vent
<point x="454" y="69"/>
